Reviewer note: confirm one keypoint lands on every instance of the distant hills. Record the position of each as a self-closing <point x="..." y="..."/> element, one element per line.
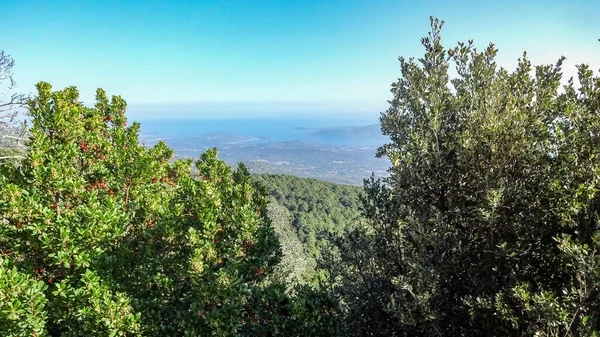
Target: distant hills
<point x="367" y="131"/>
<point x="340" y="154"/>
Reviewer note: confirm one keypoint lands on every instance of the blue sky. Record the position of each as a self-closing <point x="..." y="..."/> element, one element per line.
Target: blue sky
<point x="266" y="55"/>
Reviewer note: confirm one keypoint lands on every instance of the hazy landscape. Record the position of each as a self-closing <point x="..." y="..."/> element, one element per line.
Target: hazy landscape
<point x="303" y="147"/>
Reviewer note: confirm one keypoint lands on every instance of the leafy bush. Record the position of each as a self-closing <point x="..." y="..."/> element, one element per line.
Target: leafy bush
<point x="102" y="236"/>
<point x="22" y="302"/>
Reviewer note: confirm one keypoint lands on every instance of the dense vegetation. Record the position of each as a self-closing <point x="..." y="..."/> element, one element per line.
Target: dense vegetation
<point x="102" y="236"/>
<point x="316" y="208"/>
<point x="306" y="214"/>
<point x="487" y="224"/>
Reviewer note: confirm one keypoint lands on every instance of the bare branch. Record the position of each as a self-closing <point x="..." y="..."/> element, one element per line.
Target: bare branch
<point x="13" y="132"/>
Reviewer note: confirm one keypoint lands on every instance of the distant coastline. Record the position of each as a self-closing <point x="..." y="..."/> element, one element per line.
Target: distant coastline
<point x="325" y="149"/>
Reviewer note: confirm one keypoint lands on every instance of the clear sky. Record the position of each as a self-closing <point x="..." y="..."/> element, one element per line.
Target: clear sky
<point x="339" y="55"/>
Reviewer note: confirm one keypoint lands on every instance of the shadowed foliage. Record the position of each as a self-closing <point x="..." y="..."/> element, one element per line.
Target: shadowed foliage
<point x="488" y="222"/>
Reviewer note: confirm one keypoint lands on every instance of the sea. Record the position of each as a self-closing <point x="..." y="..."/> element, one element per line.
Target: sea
<point x="265" y="130"/>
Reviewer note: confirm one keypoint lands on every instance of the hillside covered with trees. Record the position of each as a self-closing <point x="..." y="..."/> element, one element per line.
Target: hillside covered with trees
<point x="306" y="214"/>
<point x="487" y="224"/>
<point x="315" y="207"/>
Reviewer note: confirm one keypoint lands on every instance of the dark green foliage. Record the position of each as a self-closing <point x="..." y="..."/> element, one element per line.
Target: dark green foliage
<point x="305" y="313"/>
<point x="488" y="223"/>
<point x="316" y="208"/>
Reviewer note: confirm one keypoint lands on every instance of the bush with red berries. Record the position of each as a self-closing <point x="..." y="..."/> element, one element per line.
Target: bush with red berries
<point x="102" y="236"/>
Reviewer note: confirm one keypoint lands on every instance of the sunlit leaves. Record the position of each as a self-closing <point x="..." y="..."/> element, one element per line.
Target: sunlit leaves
<point x="110" y="238"/>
